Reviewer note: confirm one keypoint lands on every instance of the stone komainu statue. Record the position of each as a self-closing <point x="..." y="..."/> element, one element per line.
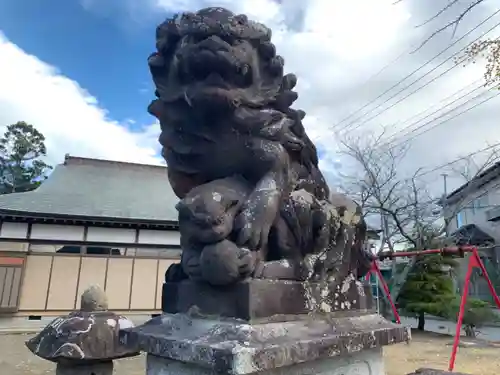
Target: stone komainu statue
<point x="253" y="200"/>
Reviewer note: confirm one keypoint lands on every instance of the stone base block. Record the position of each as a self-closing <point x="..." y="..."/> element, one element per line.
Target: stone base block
<point x="232" y="346"/>
<point x="368" y="362"/>
<point x="257" y="299"/>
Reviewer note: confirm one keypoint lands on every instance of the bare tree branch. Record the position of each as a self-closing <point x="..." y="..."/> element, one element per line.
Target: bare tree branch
<point x="468" y="168"/>
<point x="450" y="4"/>
<point x="451" y="24"/>
<point x="405" y="208"/>
<point x="383" y="193"/>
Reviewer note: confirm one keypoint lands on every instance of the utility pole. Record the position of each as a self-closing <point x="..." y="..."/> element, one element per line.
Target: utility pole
<point x="445" y="195"/>
<point x="445" y="177"/>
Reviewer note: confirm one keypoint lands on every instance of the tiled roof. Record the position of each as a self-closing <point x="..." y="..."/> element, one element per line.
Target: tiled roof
<point x="94" y="188"/>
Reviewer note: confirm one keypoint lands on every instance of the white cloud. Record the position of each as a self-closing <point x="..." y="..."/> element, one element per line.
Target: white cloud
<point x="69" y="117"/>
<point x="335" y="45"/>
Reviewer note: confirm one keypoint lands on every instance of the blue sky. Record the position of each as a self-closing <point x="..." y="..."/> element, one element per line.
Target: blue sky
<point x="92" y="49"/>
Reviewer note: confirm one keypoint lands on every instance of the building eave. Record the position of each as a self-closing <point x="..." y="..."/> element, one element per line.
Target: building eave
<point x="37" y="216"/>
<point x="473" y="185"/>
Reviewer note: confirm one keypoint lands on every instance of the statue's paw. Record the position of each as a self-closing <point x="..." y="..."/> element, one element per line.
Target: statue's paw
<point x="247" y="262"/>
<point x="221" y="263"/>
<point x="251" y="231"/>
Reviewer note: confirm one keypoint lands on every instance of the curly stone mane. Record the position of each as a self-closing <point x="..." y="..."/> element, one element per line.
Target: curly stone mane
<point x="226" y="68"/>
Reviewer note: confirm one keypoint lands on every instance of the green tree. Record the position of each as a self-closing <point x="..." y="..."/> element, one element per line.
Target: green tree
<point x="477" y="313"/>
<point x="429" y="288"/>
<point x="22" y="148"/>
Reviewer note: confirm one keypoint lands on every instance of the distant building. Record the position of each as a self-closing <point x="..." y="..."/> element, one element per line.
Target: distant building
<point x="92" y="221"/>
<point x="473" y="212"/>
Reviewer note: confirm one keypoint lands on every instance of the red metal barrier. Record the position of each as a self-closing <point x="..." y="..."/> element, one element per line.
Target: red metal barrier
<point x="474" y="262"/>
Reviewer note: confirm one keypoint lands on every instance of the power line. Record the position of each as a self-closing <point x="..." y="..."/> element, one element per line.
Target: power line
<point x="421" y="87"/>
<point x="449" y="163"/>
<point x="381" y="70"/>
<point x="395" y="138"/>
<point x="437" y="168"/>
<point x="455" y="116"/>
<point x="425" y="64"/>
<point x="413" y="72"/>
<point x="434" y="105"/>
<point x="434" y="112"/>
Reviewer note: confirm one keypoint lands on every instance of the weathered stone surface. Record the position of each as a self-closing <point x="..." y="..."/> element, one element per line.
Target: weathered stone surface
<point x="94" y="299"/>
<point x="82" y="338"/>
<point x="234" y="347"/>
<point x="429" y="371"/>
<point x="102" y="368"/>
<point x="256" y="299"/>
<point x="240" y="160"/>
<point x="368" y="362"/>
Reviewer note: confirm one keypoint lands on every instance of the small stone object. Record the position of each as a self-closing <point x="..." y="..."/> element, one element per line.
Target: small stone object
<point x="84" y="342"/>
<point x="94" y="299"/>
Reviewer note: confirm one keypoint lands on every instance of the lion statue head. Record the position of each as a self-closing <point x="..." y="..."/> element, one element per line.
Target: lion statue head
<point x="215" y="72"/>
<point x="216" y="60"/>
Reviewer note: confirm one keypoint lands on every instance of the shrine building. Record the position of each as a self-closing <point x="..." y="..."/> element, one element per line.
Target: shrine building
<point x="91" y="222"/>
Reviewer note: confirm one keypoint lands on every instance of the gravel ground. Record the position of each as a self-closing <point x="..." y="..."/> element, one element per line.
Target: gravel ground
<point x="427" y="350"/>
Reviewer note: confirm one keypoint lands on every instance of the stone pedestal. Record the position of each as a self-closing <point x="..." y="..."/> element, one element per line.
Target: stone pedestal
<point x="334" y="343"/>
<point x="368" y="362"/>
<point x="259" y="300"/>
<point x="266" y="327"/>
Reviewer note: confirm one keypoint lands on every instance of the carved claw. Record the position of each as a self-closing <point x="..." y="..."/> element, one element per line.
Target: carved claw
<point x="247" y="263"/>
<point x="253" y="223"/>
<point x="251" y="232"/>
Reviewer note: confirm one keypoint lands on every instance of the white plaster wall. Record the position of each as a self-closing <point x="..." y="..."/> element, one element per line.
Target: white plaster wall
<point x="163" y="237"/>
<point x="57" y="232"/>
<point x="100" y="234"/>
<point x="94" y="234"/>
<point x="14" y="246"/>
<point x="14" y="230"/>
